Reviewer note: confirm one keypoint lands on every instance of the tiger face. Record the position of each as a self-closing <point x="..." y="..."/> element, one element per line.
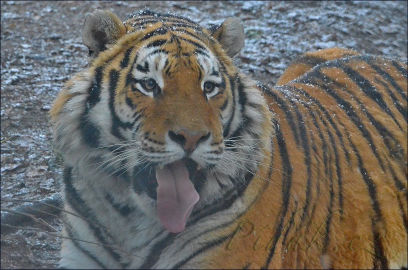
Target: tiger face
<point x="181" y="97"/>
<point x="178" y="99"/>
<point x="165" y="110"/>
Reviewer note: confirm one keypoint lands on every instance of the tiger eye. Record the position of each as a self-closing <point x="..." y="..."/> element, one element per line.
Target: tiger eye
<point x="208" y="87"/>
<point x="150" y="84"/>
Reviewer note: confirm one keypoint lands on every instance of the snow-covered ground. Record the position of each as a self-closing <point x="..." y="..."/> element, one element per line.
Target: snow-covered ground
<point x="41" y="48"/>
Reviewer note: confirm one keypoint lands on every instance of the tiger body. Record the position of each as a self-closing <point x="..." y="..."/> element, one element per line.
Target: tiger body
<point x="311" y="173"/>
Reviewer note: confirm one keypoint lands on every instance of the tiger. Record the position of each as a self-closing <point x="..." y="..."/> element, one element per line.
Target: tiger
<point x="174" y="158"/>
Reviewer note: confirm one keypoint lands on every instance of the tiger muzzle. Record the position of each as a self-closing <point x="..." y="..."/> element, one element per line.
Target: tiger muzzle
<point x="188" y="139"/>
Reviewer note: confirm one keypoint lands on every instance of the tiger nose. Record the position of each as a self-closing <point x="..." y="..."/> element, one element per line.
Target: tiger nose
<point x="188" y="139"/>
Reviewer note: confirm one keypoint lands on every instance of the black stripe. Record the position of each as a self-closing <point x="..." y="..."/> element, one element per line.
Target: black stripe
<point x="338" y="173"/>
<point x="156" y="43"/>
<point x="158" y="31"/>
<point x="190" y="34"/>
<point x="130" y="103"/>
<point x="116" y="122"/>
<point x="83" y="250"/>
<point x="237" y="133"/>
<point x="228" y="199"/>
<point x="160" y="16"/>
<point x="129" y="78"/>
<point x="246" y="122"/>
<point x="286" y="186"/>
<point x="242" y="98"/>
<point x="228" y="124"/>
<point x="137" y="116"/>
<point x="144" y="68"/>
<point x="114" y="77"/>
<point x="307" y="226"/>
<point x="196" y="44"/>
<point x="325" y="152"/>
<point x="372" y="191"/>
<point x="306" y="148"/>
<point x="403" y="212"/>
<point x="80" y="206"/>
<point x="345" y="106"/>
<point x="168" y="21"/>
<point x="143" y="176"/>
<point x="198" y="51"/>
<point x="167" y="68"/>
<point x="309" y="60"/>
<point x="176" y="26"/>
<point x="129" y="75"/>
<point x="380" y="257"/>
<point x="398" y="184"/>
<point x="387" y="137"/>
<point x="94" y="91"/>
<point x="327" y="162"/>
<point x="329" y="217"/>
<point x="124" y="210"/>
<point x="368" y="88"/>
<point x="328" y="172"/>
<point x="156" y="251"/>
<point x="328" y="117"/>
<point x="380" y="260"/>
<point x="224" y="105"/>
<point x="291" y="222"/>
<point x="156" y="52"/>
<point x="317" y="151"/>
<point x="329" y="176"/>
<point x="387" y="77"/>
<point x="395" y="101"/>
<point x="125" y="60"/>
<point x="208" y="245"/>
<point x="289" y="117"/>
<point x="401" y="70"/>
<point x="305" y="145"/>
<point x="90" y="133"/>
<point x="214" y="72"/>
<point x="222" y="186"/>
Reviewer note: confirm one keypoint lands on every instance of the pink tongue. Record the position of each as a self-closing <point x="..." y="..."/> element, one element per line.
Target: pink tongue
<point x="176" y="196"/>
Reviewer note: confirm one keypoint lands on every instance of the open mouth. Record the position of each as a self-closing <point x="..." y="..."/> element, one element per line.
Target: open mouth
<point x="175" y="187"/>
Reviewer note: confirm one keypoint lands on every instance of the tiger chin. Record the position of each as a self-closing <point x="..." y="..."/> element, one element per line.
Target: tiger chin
<point x="175" y="159"/>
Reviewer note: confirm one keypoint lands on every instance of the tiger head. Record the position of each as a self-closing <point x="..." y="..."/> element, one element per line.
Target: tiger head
<point x="163" y="108"/>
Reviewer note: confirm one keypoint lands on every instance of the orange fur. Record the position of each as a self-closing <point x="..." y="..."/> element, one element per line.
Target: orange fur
<point x="352" y="243"/>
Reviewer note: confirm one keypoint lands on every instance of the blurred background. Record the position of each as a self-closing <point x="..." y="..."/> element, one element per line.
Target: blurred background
<point x="41" y="48"/>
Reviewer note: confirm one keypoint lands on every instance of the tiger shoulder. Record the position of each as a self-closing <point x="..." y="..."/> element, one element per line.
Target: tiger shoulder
<point x="173" y="158"/>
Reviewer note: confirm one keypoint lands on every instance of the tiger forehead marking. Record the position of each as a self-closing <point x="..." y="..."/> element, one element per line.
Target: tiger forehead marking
<point x="157" y="59"/>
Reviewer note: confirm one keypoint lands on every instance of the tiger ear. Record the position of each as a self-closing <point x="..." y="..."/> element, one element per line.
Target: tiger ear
<point x="230" y="34"/>
<point x="101" y="28"/>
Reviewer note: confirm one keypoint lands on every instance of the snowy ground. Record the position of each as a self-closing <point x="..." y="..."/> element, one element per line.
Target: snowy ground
<point x="41" y="48"/>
